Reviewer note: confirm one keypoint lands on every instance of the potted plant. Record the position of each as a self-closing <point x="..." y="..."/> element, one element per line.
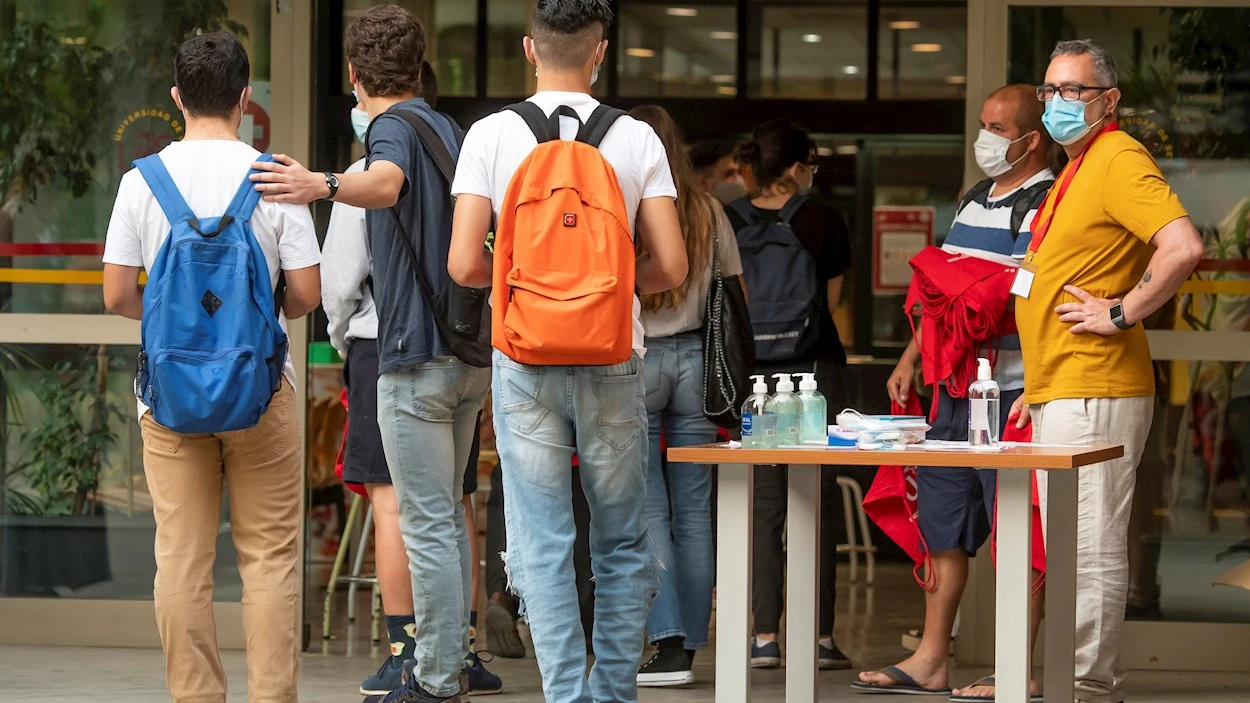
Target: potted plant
<point x="50" y="491"/>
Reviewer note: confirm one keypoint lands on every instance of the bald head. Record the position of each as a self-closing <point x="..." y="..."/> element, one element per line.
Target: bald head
<point x="1021" y="101"/>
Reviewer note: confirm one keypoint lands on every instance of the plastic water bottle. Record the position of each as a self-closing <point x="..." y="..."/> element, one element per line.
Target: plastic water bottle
<point x="814" y="425"/>
<point x="983" y="408"/>
<point x="759" y="423"/>
<point x="789" y="410"/>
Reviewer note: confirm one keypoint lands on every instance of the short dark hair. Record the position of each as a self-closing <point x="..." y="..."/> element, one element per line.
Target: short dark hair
<point x="565" y="31"/>
<point x="707" y="153"/>
<point x="429" y="84"/>
<point x="386" y="46"/>
<point x="773" y="148"/>
<point x="211" y="71"/>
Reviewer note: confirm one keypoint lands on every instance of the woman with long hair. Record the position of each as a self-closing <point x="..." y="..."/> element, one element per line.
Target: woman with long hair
<point x="795" y="250"/>
<point x="679" y="511"/>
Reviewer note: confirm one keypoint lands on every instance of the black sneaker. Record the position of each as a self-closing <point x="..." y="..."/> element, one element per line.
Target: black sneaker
<point x="388" y="678"/>
<point x="501" y="631"/>
<point x="480" y="682"/>
<point x="667" y="667"/>
<point x="411" y="691"/>
<point x="765" y="655"/>
<point x="832" y="658"/>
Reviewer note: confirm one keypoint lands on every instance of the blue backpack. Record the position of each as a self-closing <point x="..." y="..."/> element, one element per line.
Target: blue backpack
<point x="783" y="296"/>
<point x="212" y="348"/>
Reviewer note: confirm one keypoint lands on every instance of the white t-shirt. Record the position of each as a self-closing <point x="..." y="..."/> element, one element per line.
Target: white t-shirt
<point x="688" y="315"/>
<point x="496" y="146"/>
<point x="208" y="174"/>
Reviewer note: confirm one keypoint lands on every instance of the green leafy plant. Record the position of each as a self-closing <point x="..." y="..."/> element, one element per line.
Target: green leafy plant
<point x="64" y="455"/>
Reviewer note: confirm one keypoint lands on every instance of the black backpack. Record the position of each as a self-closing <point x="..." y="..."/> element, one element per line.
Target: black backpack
<point x="1031" y="198"/>
<point x="461" y="314"/>
<point x="784" y="298"/>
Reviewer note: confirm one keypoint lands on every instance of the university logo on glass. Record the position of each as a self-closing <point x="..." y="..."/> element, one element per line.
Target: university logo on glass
<point x="1147" y="130"/>
<point x="144" y="132"/>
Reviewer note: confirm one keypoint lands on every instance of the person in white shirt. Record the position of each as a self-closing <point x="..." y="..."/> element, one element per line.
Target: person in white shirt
<point x="260" y="467"/>
<point x="541" y="412"/>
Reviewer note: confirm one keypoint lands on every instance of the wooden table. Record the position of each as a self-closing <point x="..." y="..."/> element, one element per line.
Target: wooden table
<point x="1013" y="661"/>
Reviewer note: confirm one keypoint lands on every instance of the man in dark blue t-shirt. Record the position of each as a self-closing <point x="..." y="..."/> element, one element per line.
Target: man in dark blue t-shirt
<point x="428" y="400"/>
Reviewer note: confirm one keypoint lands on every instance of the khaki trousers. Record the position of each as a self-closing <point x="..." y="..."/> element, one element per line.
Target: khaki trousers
<point x="261" y="471"/>
<point x="1103" y="510"/>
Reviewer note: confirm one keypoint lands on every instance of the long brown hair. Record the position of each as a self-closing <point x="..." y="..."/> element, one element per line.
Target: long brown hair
<point x="692" y="206"/>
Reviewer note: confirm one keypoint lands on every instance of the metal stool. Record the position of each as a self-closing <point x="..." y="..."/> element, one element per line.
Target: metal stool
<point x="355" y="579"/>
<point x="853" y="509"/>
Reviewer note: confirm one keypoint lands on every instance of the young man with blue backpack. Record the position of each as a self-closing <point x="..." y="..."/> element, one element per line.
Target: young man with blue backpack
<point x="433" y="375"/>
<point x="215" y="383"/>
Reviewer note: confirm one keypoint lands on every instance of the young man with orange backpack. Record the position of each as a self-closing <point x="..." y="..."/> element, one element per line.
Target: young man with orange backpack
<point x="569" y="179"/>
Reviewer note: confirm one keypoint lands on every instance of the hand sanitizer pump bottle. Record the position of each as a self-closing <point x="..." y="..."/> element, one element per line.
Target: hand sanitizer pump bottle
<point x="983" y="408"/>
<point x="789" y="410"/>
<point x="814" y="425"/>
<point x="759" y="424"/>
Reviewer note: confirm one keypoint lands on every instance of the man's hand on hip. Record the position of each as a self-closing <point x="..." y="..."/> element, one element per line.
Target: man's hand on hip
<point x="1092" y="315"/>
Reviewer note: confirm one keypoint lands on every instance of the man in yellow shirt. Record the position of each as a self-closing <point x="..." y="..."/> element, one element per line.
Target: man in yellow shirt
<point x="1111" y="244"/>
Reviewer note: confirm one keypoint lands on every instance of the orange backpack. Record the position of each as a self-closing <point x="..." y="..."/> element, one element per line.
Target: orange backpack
<point x="563" y="288"/>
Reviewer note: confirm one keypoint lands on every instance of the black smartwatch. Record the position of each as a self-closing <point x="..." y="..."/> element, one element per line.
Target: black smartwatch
<point x="332" y="182"/>
<point x="1117" y="317"/>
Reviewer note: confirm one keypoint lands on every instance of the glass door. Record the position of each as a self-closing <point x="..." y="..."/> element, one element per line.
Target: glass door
<point x="76" y="526"/>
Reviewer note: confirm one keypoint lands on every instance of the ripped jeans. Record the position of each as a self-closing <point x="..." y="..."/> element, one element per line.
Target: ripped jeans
<point x="542" y="413"/>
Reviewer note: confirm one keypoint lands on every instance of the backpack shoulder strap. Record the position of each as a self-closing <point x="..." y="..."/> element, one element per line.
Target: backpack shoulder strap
<point x="744" y="211"/>
<point x="1029" y="199"/>
<point x="791" y="208"/>
<point x="596" y="128"/>
<point x="162" y="186"/>
<point x="433" y="143"/>
<point x="536" y="119"/>
<point x="247" y="197"/>
<point x="976" y="192"/>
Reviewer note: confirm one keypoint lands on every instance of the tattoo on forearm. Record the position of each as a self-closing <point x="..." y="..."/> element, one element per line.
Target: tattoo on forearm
<point x="1144" y="280"/>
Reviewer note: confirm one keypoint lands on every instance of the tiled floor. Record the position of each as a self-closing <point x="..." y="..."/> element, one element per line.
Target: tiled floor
<point x="870" y="621"/>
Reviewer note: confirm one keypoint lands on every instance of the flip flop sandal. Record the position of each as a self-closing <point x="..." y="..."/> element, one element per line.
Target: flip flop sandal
<point x="988" y="682"/>
<point x="903" y="685"/>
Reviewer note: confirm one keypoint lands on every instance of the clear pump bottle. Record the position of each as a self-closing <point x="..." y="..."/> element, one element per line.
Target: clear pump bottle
<point x="789" y="410"/>
<point x="983" y="408"/>
<point x="814" y="425"/>
<point x="759" y="423"/>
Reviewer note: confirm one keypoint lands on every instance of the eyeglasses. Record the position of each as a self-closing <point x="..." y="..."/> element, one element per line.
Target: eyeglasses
<point x="814" y="166"/>
<point x="1070" y="92"/>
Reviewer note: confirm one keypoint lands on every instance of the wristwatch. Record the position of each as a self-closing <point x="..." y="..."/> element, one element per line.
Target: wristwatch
<point x="1117" y="317"/>
<point x="332" y="182"/>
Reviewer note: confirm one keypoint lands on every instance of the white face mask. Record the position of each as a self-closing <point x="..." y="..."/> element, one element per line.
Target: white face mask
<point x="991" y="153"/>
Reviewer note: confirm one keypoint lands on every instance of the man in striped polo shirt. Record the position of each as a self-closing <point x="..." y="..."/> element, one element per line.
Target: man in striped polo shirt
<point x="956" y="506"/>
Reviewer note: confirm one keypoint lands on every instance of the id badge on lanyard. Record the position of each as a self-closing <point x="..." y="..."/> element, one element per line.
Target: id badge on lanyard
<point x="1023" y="283"/>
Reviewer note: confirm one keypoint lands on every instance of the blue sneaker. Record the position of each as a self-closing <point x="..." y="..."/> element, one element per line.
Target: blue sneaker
<point x="832" y="658"/>
<point x="481" y="681"/>
<point x="409" y="691"/>
<point x="765" y="655"/>
<point x="388" y="678"/>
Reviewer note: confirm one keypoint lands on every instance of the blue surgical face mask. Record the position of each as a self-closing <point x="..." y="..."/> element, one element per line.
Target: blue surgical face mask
<point x="1065" y="120"/>
<point x="360" y="123"/>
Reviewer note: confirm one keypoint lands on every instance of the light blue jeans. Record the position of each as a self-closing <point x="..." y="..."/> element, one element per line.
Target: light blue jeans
<point x="541" y="414"/>
<point x="679" y="511"/>
<point x="426" y="414"/>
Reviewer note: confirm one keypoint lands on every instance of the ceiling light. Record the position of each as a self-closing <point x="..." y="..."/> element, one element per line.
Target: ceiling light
<point x="640" y="53"/>
<point x="812" y="38"/>
<point x="847" y="150"/>
<point x="727" y="90"/>
<point x="957" y="80"/>
<point x="682" y="12"/>
<point x="824" y="151"/>
<point x="850" y="70"/>
<point x="905" y="24"/>
<point x="926" y="48"/>
<point x="728" y="36"/>
<point x="722" y="78"/>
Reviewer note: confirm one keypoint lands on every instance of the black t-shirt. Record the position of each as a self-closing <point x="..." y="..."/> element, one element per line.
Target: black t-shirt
<point x="822" y="230"/>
